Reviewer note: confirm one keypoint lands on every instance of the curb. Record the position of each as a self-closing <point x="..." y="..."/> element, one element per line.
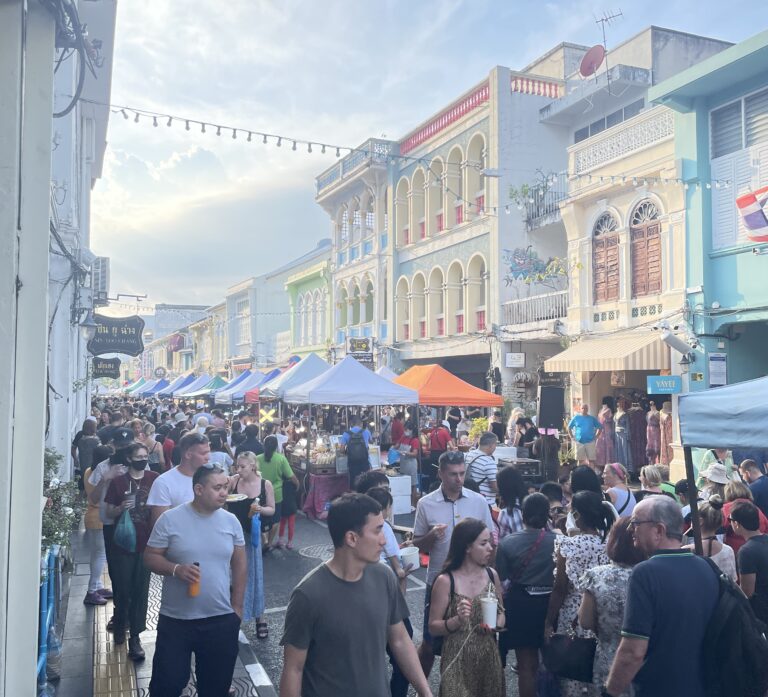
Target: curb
<point x="259" y="678"/>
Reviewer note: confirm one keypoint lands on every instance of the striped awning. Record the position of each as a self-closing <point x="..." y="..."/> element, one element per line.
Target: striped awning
<point x="636" y="350"/>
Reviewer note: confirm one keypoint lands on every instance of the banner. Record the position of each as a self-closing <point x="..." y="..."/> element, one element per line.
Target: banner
<point x="105" y="368"/>
<point x="117" y="335"/>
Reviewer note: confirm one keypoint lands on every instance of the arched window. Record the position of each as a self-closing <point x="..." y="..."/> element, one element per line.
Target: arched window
<point x="299" y="327"/>
<point x="402" y="309"/>
<point x="476" y="321"/>
<point x="645" y="250"/>
<point x="605" y="258"/>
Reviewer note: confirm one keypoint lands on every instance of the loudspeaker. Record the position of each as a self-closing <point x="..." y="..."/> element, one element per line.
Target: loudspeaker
<point x="551" y="407"/>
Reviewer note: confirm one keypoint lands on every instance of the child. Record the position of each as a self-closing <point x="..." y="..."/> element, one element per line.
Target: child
<point x="288" y="514"/>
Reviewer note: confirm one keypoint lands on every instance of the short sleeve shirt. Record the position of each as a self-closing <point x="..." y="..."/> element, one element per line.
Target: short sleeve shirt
<point x="753" y="559"/>
<point x="188" y="537"/>
<point x="434" y="509"/>
<point x="670" y="599"/>
<point x="345" y="650"/>
<point x="391" y="548"/>
<point x="140" y="514"/>
<point x="275" y="471"/>
<point x="97" y="474"/>
<point x="584" y="427"/>
<point x="171" y="488"/>
<point x="356" y="429"/>
<point x="759" y="489"/>
<point x="483" y="468"/>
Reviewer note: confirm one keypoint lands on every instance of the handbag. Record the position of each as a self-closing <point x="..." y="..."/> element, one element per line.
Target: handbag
<point x="125" y="533"/>
<point x="569" y="656"/>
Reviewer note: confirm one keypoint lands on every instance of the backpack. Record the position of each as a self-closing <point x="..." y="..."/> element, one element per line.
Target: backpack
<point x="735" y="645"/>
<point x="469" y="477"/>
<point x="357" y="450"/>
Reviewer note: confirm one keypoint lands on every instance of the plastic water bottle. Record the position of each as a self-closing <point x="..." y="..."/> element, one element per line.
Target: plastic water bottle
<point x="256" y="530"/>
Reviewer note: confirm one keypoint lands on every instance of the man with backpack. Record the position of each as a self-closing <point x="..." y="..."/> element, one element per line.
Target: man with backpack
<point x="482" y="466"/>
<point x="356" y="441"/>
<point x="670" y="600"/>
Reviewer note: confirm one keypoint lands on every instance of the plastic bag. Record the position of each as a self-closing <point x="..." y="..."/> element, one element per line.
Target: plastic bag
<point x="256" y="530"/>
<point x="125" y="533"/>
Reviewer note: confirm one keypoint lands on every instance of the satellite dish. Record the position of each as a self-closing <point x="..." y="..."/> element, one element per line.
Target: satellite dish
<point x="592" y="60"/>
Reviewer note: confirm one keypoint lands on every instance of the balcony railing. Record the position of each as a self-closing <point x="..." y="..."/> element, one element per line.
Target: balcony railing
<point x="538" y="308"/>
<point x="543" y="202"/>
<point x="372" y="152"/>
<point x="638" y="133"/>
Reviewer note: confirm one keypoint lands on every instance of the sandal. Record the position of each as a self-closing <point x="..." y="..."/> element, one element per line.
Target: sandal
<point x="262" y="631"/>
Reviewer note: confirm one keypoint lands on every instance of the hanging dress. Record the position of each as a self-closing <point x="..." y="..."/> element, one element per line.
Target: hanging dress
<point x="637" y="429"/>
<point x="653" y="437"/>
<point x="606" y="441"/>
<point x="666" y="438"/>
<point x="623" y="454"/>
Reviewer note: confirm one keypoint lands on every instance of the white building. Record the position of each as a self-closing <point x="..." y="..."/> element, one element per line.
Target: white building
<point x="79" y="141"/>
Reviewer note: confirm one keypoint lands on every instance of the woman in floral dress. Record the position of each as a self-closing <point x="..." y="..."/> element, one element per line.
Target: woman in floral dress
<point x="574" y="556"/>
<point x="605" y="591"/>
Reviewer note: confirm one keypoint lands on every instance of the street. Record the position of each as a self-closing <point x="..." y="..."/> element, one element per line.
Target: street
<point x="283" y="569"/>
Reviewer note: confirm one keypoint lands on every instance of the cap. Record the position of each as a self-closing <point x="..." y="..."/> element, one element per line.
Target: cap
<point x="122" y="438"/>
<point x="681" y="487"/>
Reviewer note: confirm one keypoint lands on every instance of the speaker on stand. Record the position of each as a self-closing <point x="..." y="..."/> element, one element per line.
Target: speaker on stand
<point x="550" y="417"/>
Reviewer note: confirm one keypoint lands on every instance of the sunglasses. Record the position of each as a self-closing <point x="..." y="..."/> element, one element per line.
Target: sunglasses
<point x="636" y="523"/>
<point x="213" y="466"/>
<point x="454" y="457"/>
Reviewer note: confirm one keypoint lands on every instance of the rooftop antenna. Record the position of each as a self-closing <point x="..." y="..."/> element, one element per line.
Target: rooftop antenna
<point x="608" y="18"/>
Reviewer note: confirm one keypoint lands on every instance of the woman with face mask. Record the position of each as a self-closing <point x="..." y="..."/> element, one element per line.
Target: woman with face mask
<point x="409" y="453"/>
<point x="130" y="578"/>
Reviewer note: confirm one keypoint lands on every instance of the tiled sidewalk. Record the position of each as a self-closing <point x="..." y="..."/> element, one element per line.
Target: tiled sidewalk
<point x="93" y="666"/>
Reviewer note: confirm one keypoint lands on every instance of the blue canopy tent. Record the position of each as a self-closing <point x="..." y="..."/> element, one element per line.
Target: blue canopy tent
<point x="207" y="390"/>
<point x="227" y="396"/>
<point x="159" y="385"/>
<point x="177" y="384"/>
<point x="196" y="384"/>
<point x="134" y="385"/>
<point x="732" y="416"/>
<point x="248" y="395"/>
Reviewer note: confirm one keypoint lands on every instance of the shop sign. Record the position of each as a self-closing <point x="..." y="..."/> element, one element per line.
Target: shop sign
<point x="160" y="372"/>
<point x="618" y="378"/>
<point x="664" y="384"/>
<point x="514" y="360"/>
<point x="117" y="335"/>
<point x="105" y="368"/>
<point x="361" y="349"/>
<point x="552" y="379"/>
<point x="718" y="369"/>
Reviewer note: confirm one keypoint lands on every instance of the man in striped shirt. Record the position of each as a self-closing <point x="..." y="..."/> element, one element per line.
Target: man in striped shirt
<point x="482" y="467"/>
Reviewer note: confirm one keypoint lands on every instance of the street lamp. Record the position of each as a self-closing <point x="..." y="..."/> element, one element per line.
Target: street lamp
<point x="88" y="326"/>
<point x="685" y="364"/>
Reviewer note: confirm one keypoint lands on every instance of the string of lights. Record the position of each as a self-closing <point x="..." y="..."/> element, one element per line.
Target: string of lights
<point x="538" y="190"/>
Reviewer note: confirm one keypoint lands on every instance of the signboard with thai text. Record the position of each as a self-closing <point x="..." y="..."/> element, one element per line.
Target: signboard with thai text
<point x="117" y="335"/>
<point x="105" y="368"/>
<point x="361" y="348"/>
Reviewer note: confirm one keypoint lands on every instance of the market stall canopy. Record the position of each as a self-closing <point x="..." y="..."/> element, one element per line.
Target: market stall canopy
<point x="252" y="396"/>
<point x="350" y="384"/>
<point x="228" y="395"/>
<point x="197" y="384"/>
<point x="141" y="391"/>
<point x="733" y="416"/>
<point x="159" y="385"/>
<point x="634" y="350"/>
<point x="386" y="372"/>
<point x="177" y="384"/>
<point x="308" y="368"/>
<point x="135" y="385"/>
<point x="437" y="387"/>
<point x="215" y="383"/>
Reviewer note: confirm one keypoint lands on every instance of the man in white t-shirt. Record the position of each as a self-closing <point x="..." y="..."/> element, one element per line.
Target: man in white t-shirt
<point x="482" y="467"/>
<point x="174" y="487"/>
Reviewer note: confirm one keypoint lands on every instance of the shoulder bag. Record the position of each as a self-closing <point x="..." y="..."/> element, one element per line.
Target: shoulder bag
<point x="569" y="656"/>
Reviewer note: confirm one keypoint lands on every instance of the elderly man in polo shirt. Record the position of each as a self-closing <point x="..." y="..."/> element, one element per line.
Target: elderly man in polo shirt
<point x="436" y="516"/>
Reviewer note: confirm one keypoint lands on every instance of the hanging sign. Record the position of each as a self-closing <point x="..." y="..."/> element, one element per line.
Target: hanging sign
<point x="514" y="360"/>
<point x="160" y="372"/>
<point x="664" y="384"/>
<point x="718" y="369"/>
<point x="117" y="335"/>
<point x="105" y="368"/>
<point x="361" y="349"/>
<point x="553" y="379"/>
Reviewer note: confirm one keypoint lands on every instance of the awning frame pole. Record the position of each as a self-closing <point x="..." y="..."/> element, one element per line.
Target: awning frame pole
<point x="693" y="499"/>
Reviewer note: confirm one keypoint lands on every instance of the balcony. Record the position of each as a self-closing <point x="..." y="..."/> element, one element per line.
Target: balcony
<point x="372" y="153"/>
<point x="542" y="206"/>
<point x="536" y="309"/>
<point x="646" y="130"/>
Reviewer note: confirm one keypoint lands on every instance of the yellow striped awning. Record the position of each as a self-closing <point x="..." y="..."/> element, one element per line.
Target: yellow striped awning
<point x="636" y="350"/>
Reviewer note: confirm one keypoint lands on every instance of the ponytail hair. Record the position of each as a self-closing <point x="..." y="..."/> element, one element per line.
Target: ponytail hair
<point x="270" y="446"/>
<point x="593" y="512"/>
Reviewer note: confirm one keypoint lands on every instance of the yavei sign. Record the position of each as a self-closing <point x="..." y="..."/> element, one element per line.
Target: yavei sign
<point x="664" y="384"/>
<point x="105" y="368"/>
<point x="117" y="335"/>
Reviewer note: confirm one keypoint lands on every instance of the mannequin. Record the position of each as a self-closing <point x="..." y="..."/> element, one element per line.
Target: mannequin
<point x="606" y="441"/>
<point x="653" y="435"/>
<point x="637" y="429"/>
<point x="665" y="455"/>
<point x="623" y="453"/>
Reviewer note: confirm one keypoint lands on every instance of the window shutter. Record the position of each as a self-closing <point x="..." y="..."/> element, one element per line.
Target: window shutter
<point x="612" y="267"/>
<point x="639" y="255"/>
<point x="605" y="265"/>
<point x="724" y="204"/>
<point x="743" y="176"/>
<point x="599" y="269"/>
<point x="756" y="118"/>
<point x="653" y="240"/>
<point x="726" y="129"/>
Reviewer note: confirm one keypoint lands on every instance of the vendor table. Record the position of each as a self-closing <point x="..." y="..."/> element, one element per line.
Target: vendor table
<point x="323" y="488"/>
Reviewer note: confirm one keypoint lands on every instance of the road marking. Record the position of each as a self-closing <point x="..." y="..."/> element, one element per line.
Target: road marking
<point x="258" y="675"/>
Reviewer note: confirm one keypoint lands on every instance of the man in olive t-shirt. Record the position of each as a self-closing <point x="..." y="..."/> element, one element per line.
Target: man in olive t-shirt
<point x="343" y="614"/>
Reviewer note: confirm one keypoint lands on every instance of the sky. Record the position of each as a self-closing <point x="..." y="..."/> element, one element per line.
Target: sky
<point x="184" y="215"/>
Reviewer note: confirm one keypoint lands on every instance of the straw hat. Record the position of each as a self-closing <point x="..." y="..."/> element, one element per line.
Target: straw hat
<point x="717" y="473"/>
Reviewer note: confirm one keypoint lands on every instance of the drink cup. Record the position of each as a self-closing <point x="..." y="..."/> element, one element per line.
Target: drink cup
<point x="409" y="556"/>
<point x="131" y="499"/>
<point x="489" y="607"/>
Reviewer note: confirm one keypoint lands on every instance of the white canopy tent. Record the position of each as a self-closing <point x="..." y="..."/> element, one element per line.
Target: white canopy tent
<point x="350" y="384"/>
<point x="733" y="416"/>
<point x="193" y="386"/>
<point x="308" y="368"/>
<point x="227" y="395"/>
<point x="386" y="372"/>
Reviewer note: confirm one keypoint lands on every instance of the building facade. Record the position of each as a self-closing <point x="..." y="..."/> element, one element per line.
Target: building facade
<point x="309" y="294"/>
<point x="721" y="117"/>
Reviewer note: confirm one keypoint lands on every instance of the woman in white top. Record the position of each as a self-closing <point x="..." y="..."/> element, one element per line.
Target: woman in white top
<point x="615" y="479"/>
<point x="711" y="520"/>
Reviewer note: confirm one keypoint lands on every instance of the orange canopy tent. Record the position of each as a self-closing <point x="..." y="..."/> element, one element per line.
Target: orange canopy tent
<point x="437" y="387"/>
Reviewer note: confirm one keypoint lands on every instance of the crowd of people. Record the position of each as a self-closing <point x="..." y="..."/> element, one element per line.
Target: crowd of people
<point x="198" y="499"/>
